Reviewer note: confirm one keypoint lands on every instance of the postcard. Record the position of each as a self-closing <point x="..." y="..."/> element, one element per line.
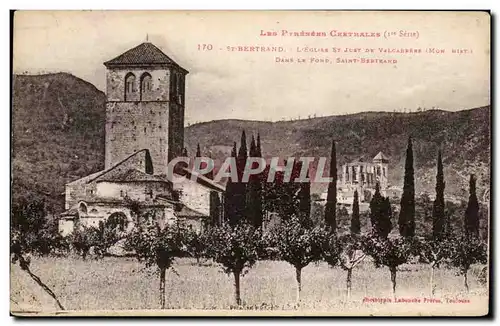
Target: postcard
<point x="271" y="163"/>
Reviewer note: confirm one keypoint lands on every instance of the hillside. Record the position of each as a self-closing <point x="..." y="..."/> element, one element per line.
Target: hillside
<point x="464" y="136"/>
<point x="58" y="136"/>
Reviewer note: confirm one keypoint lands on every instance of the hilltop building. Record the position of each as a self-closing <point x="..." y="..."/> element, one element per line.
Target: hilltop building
<point x="144" y="129"/>
<point x="361" y="176"/>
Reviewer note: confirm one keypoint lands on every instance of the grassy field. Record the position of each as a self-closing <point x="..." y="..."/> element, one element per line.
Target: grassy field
<point x="124" y="284"/>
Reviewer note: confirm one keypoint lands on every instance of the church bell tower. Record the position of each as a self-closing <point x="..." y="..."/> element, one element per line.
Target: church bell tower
<point x="145" y="92"/>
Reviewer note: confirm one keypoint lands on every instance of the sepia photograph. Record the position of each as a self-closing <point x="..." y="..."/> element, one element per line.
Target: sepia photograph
<point x="250" y="163"/>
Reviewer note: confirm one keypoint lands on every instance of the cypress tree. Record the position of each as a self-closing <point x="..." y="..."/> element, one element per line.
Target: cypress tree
<point x="305" y="202"/>
<point x="472" y="212"/>
<point x="331" y="199"/>
<point x="438" y="217"/>
<point x="254" y="192"/>
<point x="214" y="208"/>
<point x="229" y="197"/>
<point x="380" y="214"/>
<point x="241" y="187"/>
<point x="407" y="214"/>
<point x="259" y="188"/>
<point x="355" y="223"/>
<point x="203" y="165"/>
<point x="385" y="221"/>
<point x="198" y="151"/>
<point x="210" y="174"/>
<point x="242" y="155"/>
<point x="253" y="148"/>
<point x="259" y="149"/>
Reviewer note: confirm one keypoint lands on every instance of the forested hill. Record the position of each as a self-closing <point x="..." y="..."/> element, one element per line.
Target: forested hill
<point x="58" y="136"/>
<point x="463" y="135"/>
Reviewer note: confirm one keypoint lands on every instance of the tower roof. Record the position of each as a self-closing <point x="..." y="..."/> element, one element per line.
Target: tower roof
<point x="381" y="157"/>
<point x="144" y="54"/>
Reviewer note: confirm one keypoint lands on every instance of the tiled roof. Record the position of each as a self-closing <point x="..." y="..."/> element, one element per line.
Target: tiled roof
<point x="200" y="179"/>
<point x="117" y="166"/>
<point x="131" y="175"/>
<point x="381" y="156"/>
<point x="86" y="178"/>
<point x="73" y="211"/>
<point x="189" y="212"/>
<point x="145" y="53"/>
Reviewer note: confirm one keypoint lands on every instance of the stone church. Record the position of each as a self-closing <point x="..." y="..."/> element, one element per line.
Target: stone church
<point x="361" y="175"/>
<point x="144" y="129"/>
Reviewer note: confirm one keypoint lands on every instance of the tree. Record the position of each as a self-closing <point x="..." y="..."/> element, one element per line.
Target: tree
<point x="380" y="214"/>
<point x="195" y="245"/>
<point x="438" y="216"/>
<point x="298" y="246"/>
<point x="259" y="148"/>
<point x="210" y="174"/>
<point x="100" y="238"/>
<point x="31" y="233"/>
<point x="198" y="150"/>
<point x="283" y="197"/>
<point x="235" y="248"/>
<point x="156" y="246"/>
<point x="466" y="251"/>
<point x="83" y="238"/>
<point x="390" y="252"/>
<point x="229" y="196"/>
<point x="435" y="250"/>
<point x="240" y="188"/>
<point x="355" y="223"/>
<point x="472" y="212"/>
<point x="254" y="192"/>
<point x="407" y="214"/>
<point x="303" y="197"/>
<point x="331" y="199"/>
<point x="215" y="205"/>
<point x="305" y="203"/>
<point x="345" y="251"/>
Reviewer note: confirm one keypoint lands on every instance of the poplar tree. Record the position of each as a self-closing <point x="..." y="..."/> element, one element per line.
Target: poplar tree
<point x="241" y="187"/>
<point x="472" y="212"/>
<point x="214" y="208"/>
<point x="380" y="214"/>
<point x="407" y="215"/>
<point x="355" y="223"/>
<point x="229" y="196"/>
<point x="259" y="149"/>
<point x="198" y="151"/>
<point x="305" y="202"/>
<point x="254" y="192"/>
<point x="210" y="174"/>
<point x="331" y="199"/>
<point x="438" y="217"/>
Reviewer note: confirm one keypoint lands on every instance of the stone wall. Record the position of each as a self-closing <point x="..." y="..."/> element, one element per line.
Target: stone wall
<point x="78" y="191"/>
<point x="132" y="126"/>
<point x="194" y="195"/>
<point x="138" y="191"/>
<point x="115" y="84"/>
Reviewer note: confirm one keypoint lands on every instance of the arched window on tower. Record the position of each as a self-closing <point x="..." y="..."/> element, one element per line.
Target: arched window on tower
<point x="129" y="86"/>
<point x="146" y="85"/>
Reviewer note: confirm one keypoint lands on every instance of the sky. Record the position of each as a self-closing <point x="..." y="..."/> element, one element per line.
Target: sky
<point x="226" y="84"/>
